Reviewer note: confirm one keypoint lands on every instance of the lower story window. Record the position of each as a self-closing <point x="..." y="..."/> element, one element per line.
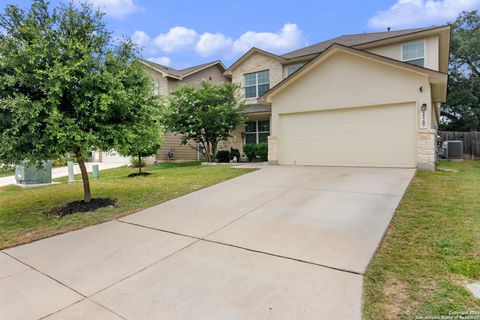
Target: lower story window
<point x="257" y="131"/>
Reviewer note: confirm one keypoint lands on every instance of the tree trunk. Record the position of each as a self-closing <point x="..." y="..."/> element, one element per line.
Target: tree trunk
<point x="209" y="148"/>
<point x="87" y="196"/>
<point x="214" y="148"/>
<point x="139" y="165"/>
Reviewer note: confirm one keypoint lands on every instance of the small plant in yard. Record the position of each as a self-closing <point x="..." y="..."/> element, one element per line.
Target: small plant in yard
<point x="143" y="142"/>
<point x="67" y="86"/>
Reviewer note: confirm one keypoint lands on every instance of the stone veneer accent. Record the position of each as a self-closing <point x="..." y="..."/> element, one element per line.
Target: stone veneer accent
<point x="426" y="145"/>
<point x="257" y="62"/>
<point x="272" y="150"/>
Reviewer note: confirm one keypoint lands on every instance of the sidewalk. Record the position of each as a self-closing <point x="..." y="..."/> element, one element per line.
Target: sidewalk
<point x="63" y="171"/>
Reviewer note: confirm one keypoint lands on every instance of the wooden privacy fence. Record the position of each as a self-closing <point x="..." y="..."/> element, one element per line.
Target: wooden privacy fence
<point x="471" y="142"/>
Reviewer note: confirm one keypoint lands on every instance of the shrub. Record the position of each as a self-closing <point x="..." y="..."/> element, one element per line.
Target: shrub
<point x="249" y="150"/>
<point x="234" y="153"/>
<point x="135" y="163"/>
<point x="262" y="151"/>
<point x="256" y="151"/>
<point x="223" y="156"/>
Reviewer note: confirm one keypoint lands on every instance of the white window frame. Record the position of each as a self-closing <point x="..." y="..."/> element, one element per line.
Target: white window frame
<point x="424" y="52"/>
<point x="256" y="83"/>
<point x="257" y="133"/>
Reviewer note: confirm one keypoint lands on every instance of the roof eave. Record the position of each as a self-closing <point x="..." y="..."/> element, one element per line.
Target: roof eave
<point x="164" y="74"/>
<point x="416" y="34"/>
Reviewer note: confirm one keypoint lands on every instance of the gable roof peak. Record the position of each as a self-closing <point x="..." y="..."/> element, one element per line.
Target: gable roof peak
<point x="180" y="73"/>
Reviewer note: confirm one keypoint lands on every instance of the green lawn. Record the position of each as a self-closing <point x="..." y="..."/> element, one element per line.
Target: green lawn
<point x="430" y="249"/>
<point x="23" y="215"/>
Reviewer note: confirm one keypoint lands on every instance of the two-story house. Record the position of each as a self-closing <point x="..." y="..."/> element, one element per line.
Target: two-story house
<point x="370" y="99"/>
<point x="166" y="79"/>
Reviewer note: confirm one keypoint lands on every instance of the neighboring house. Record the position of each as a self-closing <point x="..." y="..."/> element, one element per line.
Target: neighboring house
<point x="167" y="79"/>
<point x="370" y="99"/>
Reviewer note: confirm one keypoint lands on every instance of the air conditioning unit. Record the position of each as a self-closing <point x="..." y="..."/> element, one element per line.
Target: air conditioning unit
<point x="453" y="149"/>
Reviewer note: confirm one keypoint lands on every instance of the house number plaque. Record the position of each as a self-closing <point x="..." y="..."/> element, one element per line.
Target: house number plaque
<point x="423" y="116"/>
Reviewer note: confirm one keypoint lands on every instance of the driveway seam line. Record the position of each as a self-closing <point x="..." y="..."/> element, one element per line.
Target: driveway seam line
<point x="243" y="248"/>
<point x="144" y="268"/>
<point x="61" y="309"/>
<point x="106" y="308"/>
<point x="285" y="257"/>
<point x="46" y="275"/>
<point x="267" y="202"/>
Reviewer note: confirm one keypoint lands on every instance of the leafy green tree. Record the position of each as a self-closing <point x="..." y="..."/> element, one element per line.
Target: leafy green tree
<point x="461" y="112"/>
<point x="143" y="142"/>
<point x="206" y="114"/>
<point x="66" y="86"/>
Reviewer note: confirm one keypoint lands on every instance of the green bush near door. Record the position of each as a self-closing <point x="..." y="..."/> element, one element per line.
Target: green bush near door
<point x="255" y="152"/>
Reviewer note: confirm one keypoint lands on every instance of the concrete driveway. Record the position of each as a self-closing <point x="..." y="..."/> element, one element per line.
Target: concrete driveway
<point x="278" y="243"/>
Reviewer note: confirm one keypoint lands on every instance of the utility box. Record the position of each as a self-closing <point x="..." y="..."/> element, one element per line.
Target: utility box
<point x="28" y="173"/>
<point x="453" y="149"/>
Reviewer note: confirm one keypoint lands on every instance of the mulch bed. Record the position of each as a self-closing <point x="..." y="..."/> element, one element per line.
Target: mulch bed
<point x="136" y="174"/>
<point x="80" y="206"/>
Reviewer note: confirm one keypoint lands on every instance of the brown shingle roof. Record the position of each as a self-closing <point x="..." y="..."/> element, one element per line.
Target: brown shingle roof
<point x="257" y="108"/>
<point x="182" y="72"/>
<point x="349" y="41"/>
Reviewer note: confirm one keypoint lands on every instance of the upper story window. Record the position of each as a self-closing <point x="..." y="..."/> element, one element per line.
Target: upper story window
<point x="414" y="53"/>
<point x="257" y="83"/>
<point x="293" y="67"/>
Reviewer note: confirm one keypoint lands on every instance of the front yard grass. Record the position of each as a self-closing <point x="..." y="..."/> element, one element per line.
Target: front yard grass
<point x="431" y="247"/>
<point x="23" y="212"/>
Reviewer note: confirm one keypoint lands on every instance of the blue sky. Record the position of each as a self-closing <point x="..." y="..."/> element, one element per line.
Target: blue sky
<point x="183" y="33"/>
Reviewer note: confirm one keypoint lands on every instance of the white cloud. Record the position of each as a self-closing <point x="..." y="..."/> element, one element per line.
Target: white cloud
<point x="176" y="39"/>
<point x="115" y="8"/>
<point x="166" y="61"/>
<point x="207" y="44"/>
<point x="408" y="13"/>
<point x="141" y="38"/>
<point x="289" y="38"/>
<point x="213" y="43"/>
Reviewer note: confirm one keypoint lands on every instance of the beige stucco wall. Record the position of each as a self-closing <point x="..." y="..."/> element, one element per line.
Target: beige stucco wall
<point x="345" y="80"/>
<point x="394" y="51"/>
<point x="257" y="62"/>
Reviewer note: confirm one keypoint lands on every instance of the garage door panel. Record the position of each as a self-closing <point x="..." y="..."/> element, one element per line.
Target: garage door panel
<point x="369" y="136"/>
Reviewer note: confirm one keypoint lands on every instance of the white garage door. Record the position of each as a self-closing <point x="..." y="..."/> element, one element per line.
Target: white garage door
<point x="368" y="136"/>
